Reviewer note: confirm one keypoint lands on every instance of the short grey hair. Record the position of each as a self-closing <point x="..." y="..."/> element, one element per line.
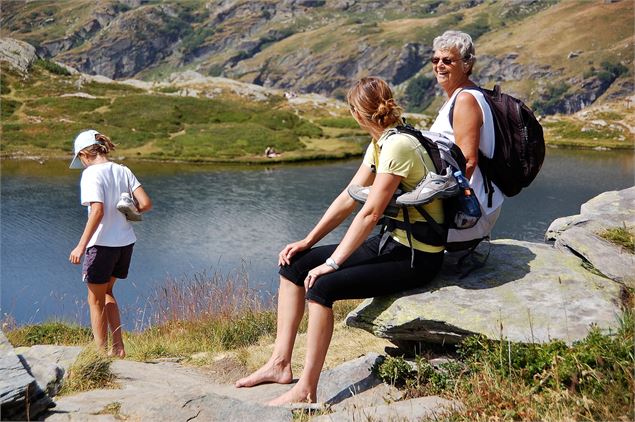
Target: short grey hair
<point x="458" y="40"/>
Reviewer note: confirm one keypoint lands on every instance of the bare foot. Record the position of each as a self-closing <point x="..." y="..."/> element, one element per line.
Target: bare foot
<point x="272" y="371"/>
<point x="297" y="394"/>
<point x="117" y="353"/>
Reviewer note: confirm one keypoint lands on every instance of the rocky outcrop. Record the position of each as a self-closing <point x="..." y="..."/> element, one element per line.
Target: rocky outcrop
<point x="48" y="364"/>
<point x="20" y="396"/>
<point x="526" y="292"/>
<point x="491" y="69"/>
<point x="133" y="42"/>
<point x="102" y="14"/>
<point x="422" y="408"/>
<point x="314" y="72"/>
<point x="581" y="234"/>
<point x="18" y="54"/>
<point x="145" y="393"/>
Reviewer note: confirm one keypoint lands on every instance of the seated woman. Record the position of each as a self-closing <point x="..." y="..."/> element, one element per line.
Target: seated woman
<point x="471" y="125"/>
<point x="359" y="266"/>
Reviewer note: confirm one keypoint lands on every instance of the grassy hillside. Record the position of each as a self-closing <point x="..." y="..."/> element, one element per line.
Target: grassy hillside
<point x="199" y="120"/>
<point x="42" y="113"/>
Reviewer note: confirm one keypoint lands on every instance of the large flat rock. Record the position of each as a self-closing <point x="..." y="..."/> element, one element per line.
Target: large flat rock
<point x="420" y="409"/>
<point x="20" y="396"/>
<point x="164" y="391"/>
<point x="527" y="292"/>
<point x="171" y="391"/>
<point x="580" y="234"/>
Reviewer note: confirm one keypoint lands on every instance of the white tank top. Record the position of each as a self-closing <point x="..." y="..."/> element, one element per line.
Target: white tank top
<point x="486" y="145"/>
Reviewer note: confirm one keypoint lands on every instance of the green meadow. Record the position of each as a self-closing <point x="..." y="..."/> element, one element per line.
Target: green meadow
<point x="41" y="113"/>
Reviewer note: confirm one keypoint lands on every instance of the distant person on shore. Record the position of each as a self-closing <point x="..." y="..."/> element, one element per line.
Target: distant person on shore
<point x="270" y="152"/>
<point x="108" y="236"/>
<point x="471" y="126"/>
<point x="359" y="267"/>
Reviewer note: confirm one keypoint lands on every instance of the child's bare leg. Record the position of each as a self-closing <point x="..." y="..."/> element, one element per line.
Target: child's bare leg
<point x="114" y="321"/>
<point x="290" y="311"/>
<point x="319" y="335"/>
<point x="98" y="319"/>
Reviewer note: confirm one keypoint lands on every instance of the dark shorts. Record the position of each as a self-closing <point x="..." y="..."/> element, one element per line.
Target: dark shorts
<point x="366" y="273"/>
<point x="103" y="262"/>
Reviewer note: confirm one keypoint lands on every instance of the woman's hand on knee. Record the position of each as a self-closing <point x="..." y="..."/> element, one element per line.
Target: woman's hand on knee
<point x="284" y="258"/>
<point x="316" y="273"/>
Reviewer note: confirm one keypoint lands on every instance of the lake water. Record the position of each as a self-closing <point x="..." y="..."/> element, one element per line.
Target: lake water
<point x="225" y="220"/>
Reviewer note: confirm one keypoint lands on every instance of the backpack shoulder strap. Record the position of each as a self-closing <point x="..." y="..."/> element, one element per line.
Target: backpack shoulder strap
<point x="431" y="148"/>
<point x="451" y="113"/>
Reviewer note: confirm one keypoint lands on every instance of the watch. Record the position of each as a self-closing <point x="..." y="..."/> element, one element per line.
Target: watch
<point x="331" y="263"/>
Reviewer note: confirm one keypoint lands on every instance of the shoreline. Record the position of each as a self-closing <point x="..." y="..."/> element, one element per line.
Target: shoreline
<point x="317" y="157"/>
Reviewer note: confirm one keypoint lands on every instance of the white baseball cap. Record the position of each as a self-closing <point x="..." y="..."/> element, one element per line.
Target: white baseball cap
<point x="83" y="140"/>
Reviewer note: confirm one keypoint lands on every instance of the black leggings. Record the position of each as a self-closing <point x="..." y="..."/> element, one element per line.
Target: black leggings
<point x="365" y="273"/>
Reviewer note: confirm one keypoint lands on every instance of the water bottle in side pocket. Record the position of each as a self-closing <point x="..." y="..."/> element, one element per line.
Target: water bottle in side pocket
<point x="468" y="210"/>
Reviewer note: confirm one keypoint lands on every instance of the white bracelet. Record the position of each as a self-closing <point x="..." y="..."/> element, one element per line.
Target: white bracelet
<point x="331" y="263"/>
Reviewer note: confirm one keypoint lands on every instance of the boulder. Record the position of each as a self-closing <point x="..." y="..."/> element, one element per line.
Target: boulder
<point x="20" y="396"/>
<point x="580" y="234"/>
<point x="18" y="54"/>
<point x="378" y="395"/>
<point x="48" y="364"/>
<point x="348" y="379"/>
<point x="526" y="292"/>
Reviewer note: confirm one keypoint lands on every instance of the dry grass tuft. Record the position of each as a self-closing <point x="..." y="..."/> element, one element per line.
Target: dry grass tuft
<point x="621" y="236"/>
<point x="90" y="371"/>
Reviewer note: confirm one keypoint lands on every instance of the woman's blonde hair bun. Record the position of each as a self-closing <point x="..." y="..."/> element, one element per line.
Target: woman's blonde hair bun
<point x="373" y="99"/>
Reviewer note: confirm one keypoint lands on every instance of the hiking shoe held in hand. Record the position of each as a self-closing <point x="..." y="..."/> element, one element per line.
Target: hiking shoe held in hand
<point x="431" y="187"/>
<point x="127" y="207"/>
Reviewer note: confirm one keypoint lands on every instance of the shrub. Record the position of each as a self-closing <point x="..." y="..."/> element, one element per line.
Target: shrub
<point x="195" y="39"/>
<point x="8" y="107"/>
<point x="4" y="87"/>
<point x="394" y="371"/>
<point x="419" y="92"/>
<point x="52" y="67"/>
<point x="551" y="99"/>
<point x="616" y="69"/>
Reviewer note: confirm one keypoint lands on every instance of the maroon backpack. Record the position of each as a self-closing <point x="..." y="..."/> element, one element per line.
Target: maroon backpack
<point x="519" y="149"/>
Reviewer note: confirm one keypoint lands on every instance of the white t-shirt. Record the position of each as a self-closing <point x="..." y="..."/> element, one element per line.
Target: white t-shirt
<point x="486" y="146"/>
<point x="104" y="183"/>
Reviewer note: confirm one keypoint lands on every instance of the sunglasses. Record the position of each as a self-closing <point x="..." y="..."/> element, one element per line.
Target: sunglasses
<point x="446" y="61"/>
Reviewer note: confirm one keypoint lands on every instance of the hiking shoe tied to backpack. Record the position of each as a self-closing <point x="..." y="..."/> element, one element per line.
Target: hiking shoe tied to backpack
<point x="126" y="206"/>
<point x="360" y="194"/>
<point x="431" y="187"/>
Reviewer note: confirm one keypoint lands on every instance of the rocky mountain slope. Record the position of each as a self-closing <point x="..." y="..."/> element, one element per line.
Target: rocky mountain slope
<point x="558" y="55"/>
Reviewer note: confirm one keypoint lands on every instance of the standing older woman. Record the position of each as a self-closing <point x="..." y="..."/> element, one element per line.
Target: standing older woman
<point x="471" y="126"/>
<point x="359" y="266"/>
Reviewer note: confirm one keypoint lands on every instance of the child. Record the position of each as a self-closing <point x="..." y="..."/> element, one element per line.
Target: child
<point x="108" y="237"/>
